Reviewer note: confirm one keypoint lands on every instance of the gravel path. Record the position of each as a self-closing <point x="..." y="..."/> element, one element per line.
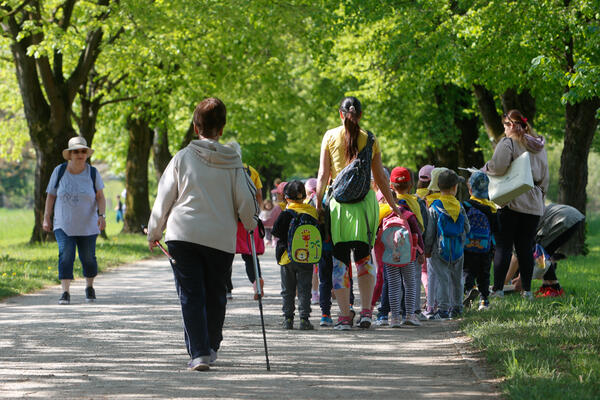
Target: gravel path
<point x="130" y="345"/>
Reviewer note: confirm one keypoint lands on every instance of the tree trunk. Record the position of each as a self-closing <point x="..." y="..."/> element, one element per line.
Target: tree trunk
<point x="489" y="113"/>
<point x="190" y="135"/>
<point x="523" y="102"/>
<point x="581" y="124"/>
<point x="137" y="211"/>
<point x="160" y="151"/>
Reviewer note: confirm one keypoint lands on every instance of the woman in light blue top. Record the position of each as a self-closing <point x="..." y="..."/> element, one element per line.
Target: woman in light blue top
<point x="75" y="211"/>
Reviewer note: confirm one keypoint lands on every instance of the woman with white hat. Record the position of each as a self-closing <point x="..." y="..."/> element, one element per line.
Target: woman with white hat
<point x="75" y="211"/>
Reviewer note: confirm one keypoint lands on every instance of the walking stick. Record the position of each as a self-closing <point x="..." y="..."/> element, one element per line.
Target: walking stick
<point x="257" y="278"/>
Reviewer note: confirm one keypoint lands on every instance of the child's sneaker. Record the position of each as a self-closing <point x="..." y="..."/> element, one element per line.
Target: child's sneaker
<point x="484" y="304"/>
<point x="527" y="295"/>
<point x="326" y="321"/>
<point x="288" y="323"/>
<point x="421" y="316"/>
<point x="470" y="297"/>
<point x="412" y="319"/>
<point x="343" y="324"/>
<point x="200" y="364"/>
<point x="305" y="325"/>
<point x="440" y="316"/>
<point x="555" y="292"/>
<point x="499" y="294"/>
<point x="315" y="297"/>
<point x="395" y="322"/>
<point x="366" y="318"/>
<point x="382" y="320"/>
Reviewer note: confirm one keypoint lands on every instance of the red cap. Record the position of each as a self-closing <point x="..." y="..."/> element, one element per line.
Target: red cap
<point x="400" y="174"/>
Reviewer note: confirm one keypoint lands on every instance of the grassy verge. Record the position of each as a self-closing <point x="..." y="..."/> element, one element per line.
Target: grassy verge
<point x="548" y="348"/>
<point x="25" y="268"/>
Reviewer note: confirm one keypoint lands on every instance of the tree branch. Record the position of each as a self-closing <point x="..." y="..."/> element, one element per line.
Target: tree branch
<point x="86" y="61"/>
<point x="11" y="12"/>
<point x="118" y="100"/>
<point x="67" y="7"/>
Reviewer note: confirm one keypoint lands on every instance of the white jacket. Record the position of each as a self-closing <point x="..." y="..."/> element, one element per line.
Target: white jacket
<point x="201" y="194"/>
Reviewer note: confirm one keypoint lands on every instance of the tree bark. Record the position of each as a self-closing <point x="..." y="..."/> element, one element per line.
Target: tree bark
<point x="489" y="113"/>
<point x="190" y="135"/>
<point x="160" y="151"/>
<point x="137" y="211"/>
<point x="580" y="127"/>
<point x="523" y="102"/>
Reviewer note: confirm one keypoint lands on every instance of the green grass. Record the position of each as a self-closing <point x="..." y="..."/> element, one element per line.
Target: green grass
<point x="548" y="348"/>
<point x="25" y="267"/>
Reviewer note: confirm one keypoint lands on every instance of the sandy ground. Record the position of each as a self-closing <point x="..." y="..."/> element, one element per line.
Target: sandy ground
<point x="129" y="344"/>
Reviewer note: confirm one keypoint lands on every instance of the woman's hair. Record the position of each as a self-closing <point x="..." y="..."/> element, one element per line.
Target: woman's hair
<point x="522" y="126"/>
<point x="210" y="117"/>
<point x="351" y="110"/>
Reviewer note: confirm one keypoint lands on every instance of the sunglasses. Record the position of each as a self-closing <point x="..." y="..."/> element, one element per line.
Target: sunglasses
<point x="82" y="151"/>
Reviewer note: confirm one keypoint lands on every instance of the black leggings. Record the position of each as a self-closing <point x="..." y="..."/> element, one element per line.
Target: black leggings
<point x="342" y="251"/>
<point x="516" y="229"/>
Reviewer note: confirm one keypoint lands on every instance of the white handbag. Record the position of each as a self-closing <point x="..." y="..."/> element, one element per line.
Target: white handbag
<point x="516" y="181"/>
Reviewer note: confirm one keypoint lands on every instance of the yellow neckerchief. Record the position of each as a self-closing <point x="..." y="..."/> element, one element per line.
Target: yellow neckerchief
<point x="432" y="197"/>
<point x="451" y="205"/>
<point x="413" y="204"/>
<point x="299" y="207"/>
<point x="282" y="204"/>
<point x="384" y="211"/>
<point x="485" y="202"/>
<point x="422" y="193"/>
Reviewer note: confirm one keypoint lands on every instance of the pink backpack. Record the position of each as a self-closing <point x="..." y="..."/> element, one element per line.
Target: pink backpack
<point x="400" y="242"/>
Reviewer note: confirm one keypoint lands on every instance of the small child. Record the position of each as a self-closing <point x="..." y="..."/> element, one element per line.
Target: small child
<point x="294" y="276"/>
<point x="479" y="249"/>
<point x="311" y="197"/>
<point x="433" y="192"/>
<point x="444" y="243"/>
<point x="265" y="217"/>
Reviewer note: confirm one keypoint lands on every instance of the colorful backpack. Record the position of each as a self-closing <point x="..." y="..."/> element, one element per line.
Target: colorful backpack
<point x="305" y="243"/>
<point x="399" y="241"/>
<point x="353" y="183"/>
<point x="450" y="243"/>
<point x="479" y="238"/>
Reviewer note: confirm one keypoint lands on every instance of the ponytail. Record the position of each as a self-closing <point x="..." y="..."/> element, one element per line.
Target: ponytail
<point x="351" y="110"/>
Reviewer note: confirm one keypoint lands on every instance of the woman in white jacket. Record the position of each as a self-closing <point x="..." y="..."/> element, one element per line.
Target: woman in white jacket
<point x="201" y="194"/>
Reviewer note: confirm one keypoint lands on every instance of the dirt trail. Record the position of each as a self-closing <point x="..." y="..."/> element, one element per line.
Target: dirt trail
<point x="130" y="345"/>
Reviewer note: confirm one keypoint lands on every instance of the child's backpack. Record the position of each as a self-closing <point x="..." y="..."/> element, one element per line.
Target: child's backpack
<point x="479" y="238"/>
<point x="353" y="183"/>
<point x="305" y="243"/>
<point x="399" y="241"/>
<point x="450" y="244"/>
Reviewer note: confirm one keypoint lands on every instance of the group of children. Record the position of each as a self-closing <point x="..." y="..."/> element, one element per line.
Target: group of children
<point x="437" y="241"/>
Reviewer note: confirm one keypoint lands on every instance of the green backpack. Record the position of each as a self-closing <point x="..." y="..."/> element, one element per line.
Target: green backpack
<point x="305" y="243"/>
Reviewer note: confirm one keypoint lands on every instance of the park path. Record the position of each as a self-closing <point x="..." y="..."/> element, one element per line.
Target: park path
<point x="129" y="345"/>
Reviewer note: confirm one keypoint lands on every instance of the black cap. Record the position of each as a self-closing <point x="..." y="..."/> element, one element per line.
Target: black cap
<point x="448" y="178"/>
<point x="295" y="190"/>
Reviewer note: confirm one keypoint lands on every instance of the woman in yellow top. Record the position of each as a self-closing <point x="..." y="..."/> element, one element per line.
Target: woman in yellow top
<point x="353" y="225"/>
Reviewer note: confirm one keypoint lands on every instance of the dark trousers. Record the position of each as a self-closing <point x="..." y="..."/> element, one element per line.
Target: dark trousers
<point x="296" y="276"/>
<point x="326" y="280"/>
<point x="477" y="267"/>
<point x="200" y="274"/>
<point x="518" y="230"/>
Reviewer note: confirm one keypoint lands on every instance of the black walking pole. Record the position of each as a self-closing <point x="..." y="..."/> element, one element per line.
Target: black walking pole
<point x="257" y="278"/>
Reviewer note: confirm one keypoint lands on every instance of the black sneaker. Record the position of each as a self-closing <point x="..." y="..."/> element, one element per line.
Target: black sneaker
<point x="90" y="294"/>
<point x="305" y="325"/>
<point x="288" y="323"/>
<point x="65" y="298"/>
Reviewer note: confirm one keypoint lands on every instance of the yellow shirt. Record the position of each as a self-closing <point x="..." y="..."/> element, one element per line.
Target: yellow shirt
<point x="336" y="144"/>
<point x="254" y="177"/>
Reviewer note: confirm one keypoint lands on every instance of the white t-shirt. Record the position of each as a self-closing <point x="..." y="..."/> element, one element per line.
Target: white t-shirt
<point x="75" y="209"/>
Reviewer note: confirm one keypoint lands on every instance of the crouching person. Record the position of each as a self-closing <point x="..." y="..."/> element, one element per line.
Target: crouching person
<point x="201" y="194"/>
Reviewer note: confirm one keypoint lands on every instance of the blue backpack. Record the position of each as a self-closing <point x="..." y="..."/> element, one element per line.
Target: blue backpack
<point x="305" y="244"/>
<point x="450" y="243"/>
<point x="479" y="238"/>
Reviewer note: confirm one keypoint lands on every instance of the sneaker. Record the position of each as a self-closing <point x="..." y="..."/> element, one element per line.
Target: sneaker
<point x="213" y="357"/>
<point x="262" y="292"/>
<point x="441" y="316"/>
<point x="527" y="295"/>
<point x="470" y="298"/>
<point x="199" y="364"/>
<point x="288" y="323"/>
<point x="413" y="320"/>
<point x="382" y="320"/>
<point x="484" y="304"/>
<point x="421" y="316"/>
<point x="326" y="321"/>
<point x="366" y="318"/>
<point x="315" y="298"/>
<point x="555" y="292"/>
<point x="343" y="324"/>
<point x="65" y="298"/>
<point x="305" y="325"/>
<point x="90" y="294"/>
<point x="499" y="294"/>
<point x="542" y="291"/>
<point x="395" y="322"/>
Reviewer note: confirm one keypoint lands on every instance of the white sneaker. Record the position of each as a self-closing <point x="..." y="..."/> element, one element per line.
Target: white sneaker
<point x="413" y="320"/>
<point x="527" y="295"/>
<point x="497" y="294"/>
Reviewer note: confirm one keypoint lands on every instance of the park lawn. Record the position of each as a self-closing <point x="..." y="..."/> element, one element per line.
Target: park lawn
<point x="26" y="267"/>
<point x="548" y="348"/>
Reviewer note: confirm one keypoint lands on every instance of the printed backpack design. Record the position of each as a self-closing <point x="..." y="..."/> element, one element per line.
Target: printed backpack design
<point x="305" y="243"/>
<point x="450" y="244"/>
<point x="398" y="240"/>
<point x="479" y="238"/>
<point x="354" y="182"/>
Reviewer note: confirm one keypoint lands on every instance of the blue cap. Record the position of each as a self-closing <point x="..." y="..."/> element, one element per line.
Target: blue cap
<point x="479" y="182"/>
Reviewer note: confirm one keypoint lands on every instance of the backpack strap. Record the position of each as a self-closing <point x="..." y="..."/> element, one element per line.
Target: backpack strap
<point x="61" y="172"/>
<point x="93" y="172"/>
